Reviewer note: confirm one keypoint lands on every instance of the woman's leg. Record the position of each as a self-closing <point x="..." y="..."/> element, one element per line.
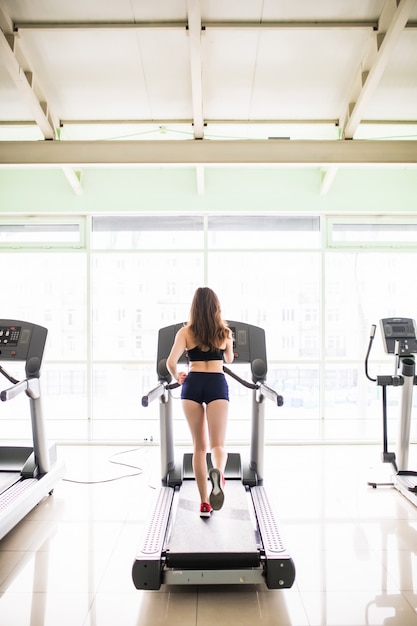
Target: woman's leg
<point x="217" y="412"/>
<point x="195" y="415"/>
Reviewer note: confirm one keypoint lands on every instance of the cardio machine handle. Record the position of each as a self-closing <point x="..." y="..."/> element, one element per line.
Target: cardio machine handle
<point x="31" y="386"/>
<point x="371" y="339"/>
<point x="157" y="392"/>
<point x="271" y="394"/>
<point x="240" y="380"/>
<point x="266" y="391"/>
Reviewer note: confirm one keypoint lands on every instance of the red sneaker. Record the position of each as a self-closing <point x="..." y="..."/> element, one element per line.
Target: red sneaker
<point x="205" y="509"/>
<point x="217" y="495"/>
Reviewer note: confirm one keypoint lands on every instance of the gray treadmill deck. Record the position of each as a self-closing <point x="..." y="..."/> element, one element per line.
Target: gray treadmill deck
<point x="228" y="534"/>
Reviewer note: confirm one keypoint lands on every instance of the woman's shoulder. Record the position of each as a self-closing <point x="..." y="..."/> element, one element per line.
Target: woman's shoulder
<point x="187" y="334"/>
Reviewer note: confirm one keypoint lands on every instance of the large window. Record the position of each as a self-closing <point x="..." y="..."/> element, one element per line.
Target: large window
<point x="49" y="288"/>
<point x="103" y="287"/>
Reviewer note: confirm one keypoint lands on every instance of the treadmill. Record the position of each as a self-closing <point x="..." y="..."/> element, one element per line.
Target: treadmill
<point x="240" y="544"/>
<point x="27" y="474"/>
<point x="400" y="339"/>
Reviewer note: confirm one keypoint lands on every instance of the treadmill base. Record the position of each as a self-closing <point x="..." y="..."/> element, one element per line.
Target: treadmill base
<point x="253" y="576"/>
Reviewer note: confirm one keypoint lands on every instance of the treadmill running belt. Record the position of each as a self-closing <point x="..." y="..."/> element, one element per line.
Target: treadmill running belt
<point x="226" y="540"/>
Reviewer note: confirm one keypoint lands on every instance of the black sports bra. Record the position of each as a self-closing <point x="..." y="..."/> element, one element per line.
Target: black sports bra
<point x="196" y="354"/>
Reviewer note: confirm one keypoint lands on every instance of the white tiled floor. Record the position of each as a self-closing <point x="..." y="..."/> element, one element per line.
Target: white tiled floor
<point x="355" y="548"/>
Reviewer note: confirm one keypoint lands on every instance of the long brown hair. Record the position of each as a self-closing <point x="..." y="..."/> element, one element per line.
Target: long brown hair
<point x="206" y="323"/>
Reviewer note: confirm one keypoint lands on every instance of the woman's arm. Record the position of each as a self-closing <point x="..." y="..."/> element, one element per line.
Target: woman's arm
<point x="176" y="351"/>
<point x="228" y="353"/>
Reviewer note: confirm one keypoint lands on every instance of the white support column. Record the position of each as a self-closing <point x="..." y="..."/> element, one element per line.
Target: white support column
<point x="328" y="175"/>
<point x="74" y="179"/>
<point x="199" y="170"/>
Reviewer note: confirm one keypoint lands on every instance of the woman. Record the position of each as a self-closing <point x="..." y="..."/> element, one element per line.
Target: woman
<point x="204" y="393"/>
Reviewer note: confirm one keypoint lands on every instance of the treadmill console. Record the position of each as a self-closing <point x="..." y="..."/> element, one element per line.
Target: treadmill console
<point x="249" y="345"/>
<point x="401" y="329"/>
<point x="9" y="335"/>
<point x="20" y="341"/>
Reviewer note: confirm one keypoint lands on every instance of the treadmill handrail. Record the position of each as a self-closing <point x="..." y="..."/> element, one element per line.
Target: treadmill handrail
<point x="240" y="380"/>
<point x="266" y="391"/>
<point x="8" y="376"/>
<point x="271" y="394"/>
<point x="29" y="385"/>
<point x="157" y="392"/>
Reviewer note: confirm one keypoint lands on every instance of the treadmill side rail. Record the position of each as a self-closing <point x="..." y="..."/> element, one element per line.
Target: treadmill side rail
<point x="147" y="567"/>
<point x="279" y="566"/>
<point x="24" y="495"/>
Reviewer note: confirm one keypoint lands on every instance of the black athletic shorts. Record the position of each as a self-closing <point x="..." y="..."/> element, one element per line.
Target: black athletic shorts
<point x="204" y="387"/>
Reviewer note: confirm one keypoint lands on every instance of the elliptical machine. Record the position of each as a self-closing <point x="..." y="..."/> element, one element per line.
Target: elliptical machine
<point x="399" y="338"/>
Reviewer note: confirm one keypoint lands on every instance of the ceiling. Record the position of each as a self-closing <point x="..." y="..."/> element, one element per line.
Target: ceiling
<point x="173" y="70"/>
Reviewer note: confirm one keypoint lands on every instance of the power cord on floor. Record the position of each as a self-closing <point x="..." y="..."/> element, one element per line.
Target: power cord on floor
<point x="110" y="480"/>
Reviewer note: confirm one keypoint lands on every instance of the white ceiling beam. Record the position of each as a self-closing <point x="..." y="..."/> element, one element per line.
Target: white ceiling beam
<point x="391" y="24"/>
<point x="209" y="121"/>
<point x="194" y="34"/>
<point x="166" y="24"/>
<point x="222" y="152"/>
<point x="25" y="81"/>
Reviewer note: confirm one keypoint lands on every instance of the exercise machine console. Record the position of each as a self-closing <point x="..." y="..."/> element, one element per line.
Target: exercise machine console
<point x="399" y="336"/>
<point x="27" y="473"/>
<point x="240" y="543"/>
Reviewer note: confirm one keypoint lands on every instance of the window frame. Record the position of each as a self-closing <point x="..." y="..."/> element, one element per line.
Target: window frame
<point x="380" y="221"/>
<point x="48" y="223"/>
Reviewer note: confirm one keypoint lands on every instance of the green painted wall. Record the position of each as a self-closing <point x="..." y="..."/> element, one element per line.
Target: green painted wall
<point x="227" y="189"/>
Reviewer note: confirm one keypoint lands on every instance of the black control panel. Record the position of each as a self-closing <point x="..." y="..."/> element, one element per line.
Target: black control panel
<point x="401" y="329"/>
<point x="9" y="335"/>
<point x="20" y="341"/>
